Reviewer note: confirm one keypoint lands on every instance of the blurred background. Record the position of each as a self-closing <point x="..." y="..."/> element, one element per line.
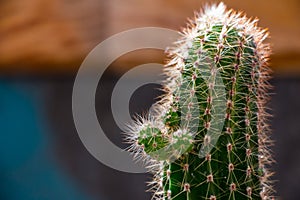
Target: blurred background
<point x="42" y="44"/>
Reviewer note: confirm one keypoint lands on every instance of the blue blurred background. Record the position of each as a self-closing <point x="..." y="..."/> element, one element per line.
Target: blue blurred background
<point x="29" y="168"/>
<point x="42" y="45"/>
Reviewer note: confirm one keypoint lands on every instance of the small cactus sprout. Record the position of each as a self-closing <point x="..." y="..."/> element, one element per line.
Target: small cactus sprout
<point x="207" y="138"/>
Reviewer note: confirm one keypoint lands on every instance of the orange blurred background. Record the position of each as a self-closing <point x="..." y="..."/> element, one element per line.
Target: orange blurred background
<point x="43" y="36"/>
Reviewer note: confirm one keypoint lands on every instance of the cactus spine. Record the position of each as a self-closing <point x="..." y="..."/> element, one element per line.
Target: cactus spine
<point x="208" y="138"/>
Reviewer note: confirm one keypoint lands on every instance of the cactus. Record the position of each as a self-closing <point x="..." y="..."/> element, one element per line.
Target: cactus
<point x="208" y="138"/>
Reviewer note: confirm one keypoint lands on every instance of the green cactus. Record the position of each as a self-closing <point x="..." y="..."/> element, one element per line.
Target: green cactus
<point x="208" y="136"/>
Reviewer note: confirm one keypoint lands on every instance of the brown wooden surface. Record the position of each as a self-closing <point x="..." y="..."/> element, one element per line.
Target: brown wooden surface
<point x="54" y="35"/>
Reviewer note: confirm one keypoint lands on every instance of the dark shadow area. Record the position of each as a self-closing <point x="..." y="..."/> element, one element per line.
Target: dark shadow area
<point x="58" y="152"/>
